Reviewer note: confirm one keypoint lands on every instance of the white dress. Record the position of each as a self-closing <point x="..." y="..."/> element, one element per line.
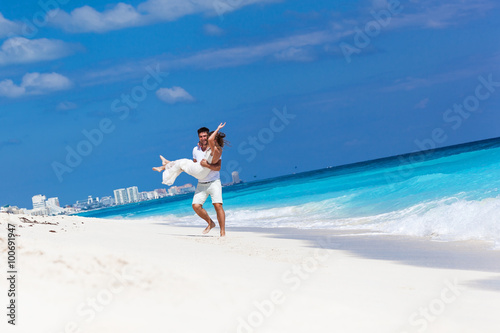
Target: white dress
<point x="175" y="168"/>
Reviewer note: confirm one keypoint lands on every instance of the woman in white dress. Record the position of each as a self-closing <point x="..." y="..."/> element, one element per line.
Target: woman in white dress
<point x="172" y="169"/>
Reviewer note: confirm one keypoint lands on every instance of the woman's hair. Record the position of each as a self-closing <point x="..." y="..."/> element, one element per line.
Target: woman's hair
<point x="220" y="138"/>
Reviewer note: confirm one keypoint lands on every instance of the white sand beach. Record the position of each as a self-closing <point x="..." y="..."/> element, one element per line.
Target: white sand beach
<point x="93" y="275"/>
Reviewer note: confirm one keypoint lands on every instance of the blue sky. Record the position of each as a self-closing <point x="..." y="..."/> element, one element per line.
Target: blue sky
<point x="302" y="85"/>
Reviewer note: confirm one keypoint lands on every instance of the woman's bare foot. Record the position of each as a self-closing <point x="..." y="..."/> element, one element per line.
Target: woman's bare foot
<point x="209" y="227"/>
<point x="164" y="161"/>
<point x="159" y="169"/>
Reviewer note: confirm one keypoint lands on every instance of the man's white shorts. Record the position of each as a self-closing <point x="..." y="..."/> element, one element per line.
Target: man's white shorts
<point x="203" y="190"/>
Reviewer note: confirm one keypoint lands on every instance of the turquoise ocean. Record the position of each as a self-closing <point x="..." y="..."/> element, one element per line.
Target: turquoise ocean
<point x="446" y="194"/>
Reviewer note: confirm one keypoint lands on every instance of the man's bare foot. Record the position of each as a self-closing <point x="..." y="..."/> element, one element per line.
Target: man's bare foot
<point x="209" y="227"/>
<point x="164" y="161"/>
<point x="223" y="234"/>
<point x="159" y="169"/>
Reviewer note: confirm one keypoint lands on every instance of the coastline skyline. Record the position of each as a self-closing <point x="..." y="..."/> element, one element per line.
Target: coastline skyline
<point x="302" y="86"/>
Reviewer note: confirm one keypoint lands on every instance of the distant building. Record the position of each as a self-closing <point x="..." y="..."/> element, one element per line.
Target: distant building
<point x="175" y="190"/>
<point x="71" y="210"/>
<point x="187" y="188"/>
<point x="53" y="202"/>
<point x="39" y="212"/>
<point x="236" y="177"/>
<point x="13" y="210"/>
<point x="107" y="201"/>
<point x="81" y="204"/>
<point x="38" y="201"/>
<point x="143" y="196"/>
<point x="148" y="195"/>
<point x="121" y="196"/>
<point x="53" y="207"/>
<point x="133" y="194"/>
<point x="161" y="193"/>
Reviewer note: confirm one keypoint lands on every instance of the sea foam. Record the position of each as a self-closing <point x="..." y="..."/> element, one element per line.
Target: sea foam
<point x="449" y="219"/>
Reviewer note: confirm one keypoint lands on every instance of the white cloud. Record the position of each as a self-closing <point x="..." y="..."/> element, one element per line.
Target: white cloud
<point x="411" y="83"/>
<point x="35" y="84"/>
<point x="295" y="54"/>
<point x="301" y="47"/>
<point x="465" y="71"/>
<point x="121" y="15"/>
<point x="438" y="15"/>
<point x="8" y="27"/>
<point x="174" y="95"/>
<point x="87" y="19"/>
<point x="422" y="14"/>
<point x="65" y="106"/>
<point x="288" y="48"/>
<point x="212" y="30"/>
<point x="422" y="104"/>
<point x="9" y="89"/>
<point x="18" y="50"/>
<point x="307" y="46"/>
<point x="171" y="10"/>
<point x="425" y="13"/>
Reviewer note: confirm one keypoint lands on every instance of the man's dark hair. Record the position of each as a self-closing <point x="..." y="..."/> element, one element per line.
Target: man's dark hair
<point x="202" y="130"/>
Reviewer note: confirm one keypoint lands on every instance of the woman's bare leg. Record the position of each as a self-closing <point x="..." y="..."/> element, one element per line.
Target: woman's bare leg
<point x="159" y="169"/>
<point x="164" y="161"/>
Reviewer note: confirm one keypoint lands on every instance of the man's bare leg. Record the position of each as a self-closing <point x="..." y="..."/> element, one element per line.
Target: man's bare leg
<point x="221" y="217"/>
<point x="204" y="215"/>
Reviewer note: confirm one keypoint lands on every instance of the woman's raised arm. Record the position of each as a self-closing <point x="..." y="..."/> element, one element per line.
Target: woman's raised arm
<point x="211" y="142"/>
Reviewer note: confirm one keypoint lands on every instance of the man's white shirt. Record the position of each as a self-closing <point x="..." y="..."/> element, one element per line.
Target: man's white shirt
<point x="198" y="155"/>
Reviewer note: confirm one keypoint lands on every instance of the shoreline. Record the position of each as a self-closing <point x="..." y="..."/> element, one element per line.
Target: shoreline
<point x="97" y="275"/>
<point x="481" y="254"/>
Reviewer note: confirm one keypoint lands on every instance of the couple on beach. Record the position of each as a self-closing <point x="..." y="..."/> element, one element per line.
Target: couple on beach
<point x="205" y="167"/>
